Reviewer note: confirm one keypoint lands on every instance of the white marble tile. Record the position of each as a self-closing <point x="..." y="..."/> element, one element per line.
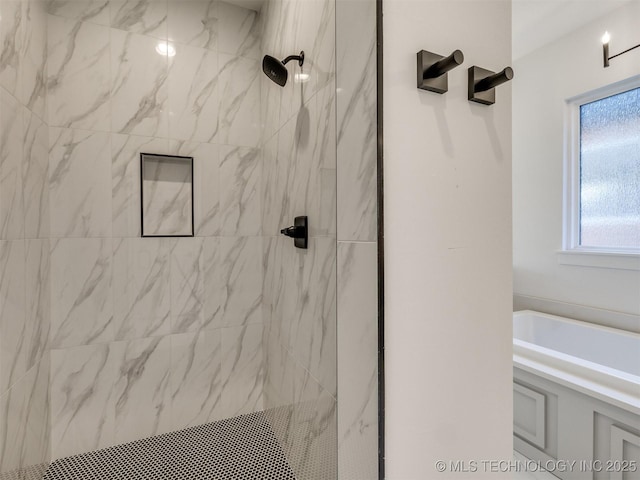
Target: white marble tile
<point x="195" y="23"/>
<point x="34" y="56"/>
<point x="239" y="112"/>
<point x="193" y="95"/>
<point x="125" y="172"/>
<point x="35" y="176"/>
<point x="13" y="418"/>
<point x="358" y="360"/>
<point x="93" y="11"/>
<point x="11" y="158"/>
<point x="79" y="183"/>
<point x="167" y="196"/>
<point x="240" y="170"/>
<point x="36" y="449"/>
<point x="232" y="281"/>
<point x="279" y="375"/>
<point x="37" y="299"/>
<point x="187" y="285"/>
<point x="142" y="390"/>
<point x="356" y="123"/>
<point x="240" y="30"/>
<point x="147" y="17"/>
<point x="313" y="325"/>
<point x="276" y="198"/>
<point x="13" y="328"/>
<point x="138" y="85"/>
<point x="78" y="77"/>
<point x="82" y="415"/>
<point x="312" y="430"/>
<point x="81" y="300"/>
<point x="11" y="40"/>
<point x="270" y="94"/>
<point x="242" y="370"/>
<point x="141" y="287"/>
<point x="196" y="385"/>
<point x="206" y="187"/>
<point x="281" y="291"/>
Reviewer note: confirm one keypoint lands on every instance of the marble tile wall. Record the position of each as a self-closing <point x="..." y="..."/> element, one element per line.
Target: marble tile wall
<point x="357" y="236"/>
<point x="171" y="328"/>
<point x="24" y="241"/>
<point x="299" y="178"/>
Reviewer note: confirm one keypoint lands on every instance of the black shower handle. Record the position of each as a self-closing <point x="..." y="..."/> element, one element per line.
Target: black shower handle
<point x="294" y="232"/>
<point x="298" y="231"/>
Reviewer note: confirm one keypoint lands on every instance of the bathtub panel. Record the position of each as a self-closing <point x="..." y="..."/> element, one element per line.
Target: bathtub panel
<point x="529" y="414"/>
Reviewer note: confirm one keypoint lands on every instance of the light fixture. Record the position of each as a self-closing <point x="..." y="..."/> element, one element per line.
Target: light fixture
<point x="605" y="49"/>
<point x="165" y="49"/>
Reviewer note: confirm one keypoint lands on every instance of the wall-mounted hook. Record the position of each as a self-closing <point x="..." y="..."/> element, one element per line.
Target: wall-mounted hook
<point x="482" y="84"/>
<point x="432" y="70"/>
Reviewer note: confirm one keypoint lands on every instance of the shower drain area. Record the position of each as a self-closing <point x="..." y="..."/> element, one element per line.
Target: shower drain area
<point x="239" y="448"/>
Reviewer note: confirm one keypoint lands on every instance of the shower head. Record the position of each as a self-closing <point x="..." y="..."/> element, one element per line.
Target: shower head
<point x="276" y="70"/>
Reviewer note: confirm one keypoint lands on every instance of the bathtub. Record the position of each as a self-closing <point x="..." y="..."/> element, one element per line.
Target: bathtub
<point x="599" y="361"/>
<point x="576" y="391"/>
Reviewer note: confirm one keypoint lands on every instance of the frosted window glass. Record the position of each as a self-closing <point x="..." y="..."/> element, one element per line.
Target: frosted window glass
<point x="610" y="171"/>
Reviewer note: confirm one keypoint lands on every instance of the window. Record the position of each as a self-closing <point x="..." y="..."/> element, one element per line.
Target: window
<point x="602" y="173"/>
<point x="610" y="172"/>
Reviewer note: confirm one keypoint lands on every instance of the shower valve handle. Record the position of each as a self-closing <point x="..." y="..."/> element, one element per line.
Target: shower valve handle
<point x="293" y="232"/>
<point x="298" y="231"/>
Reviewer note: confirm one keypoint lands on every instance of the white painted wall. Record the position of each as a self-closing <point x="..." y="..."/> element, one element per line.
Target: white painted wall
<point x="448" y="243"/>
<point x="544" y="80"/>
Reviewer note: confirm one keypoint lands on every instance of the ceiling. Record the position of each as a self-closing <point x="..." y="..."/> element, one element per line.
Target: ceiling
<point x="538" y="22"/>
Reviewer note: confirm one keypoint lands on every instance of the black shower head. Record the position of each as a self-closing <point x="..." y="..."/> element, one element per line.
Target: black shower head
<point x="276" y="70"/>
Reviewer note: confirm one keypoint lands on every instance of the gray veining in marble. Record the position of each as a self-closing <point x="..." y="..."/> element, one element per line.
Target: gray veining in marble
<point x="82" y="307"/>
<point x="78" y="74"/>
<point x="139" y="89"/>
<point x="81" y="406"/>
<point x="147" y="17"/>
<point x="79" y="183"/>
<point x="11" y="144"/>
<point x="142" y="388"/>
<point x="195" y="23"/>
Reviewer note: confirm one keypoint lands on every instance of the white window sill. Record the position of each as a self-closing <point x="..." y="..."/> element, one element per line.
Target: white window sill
<point x="585" y="258"/>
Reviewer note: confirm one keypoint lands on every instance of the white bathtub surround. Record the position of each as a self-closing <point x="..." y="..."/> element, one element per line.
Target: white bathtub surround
<point x="598" y="361"/>
<point x="576" y="394"/>
<point x="518" y="457"/>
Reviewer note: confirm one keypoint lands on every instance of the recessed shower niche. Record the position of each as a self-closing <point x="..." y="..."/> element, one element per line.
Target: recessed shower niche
<point x="166" y="195"/>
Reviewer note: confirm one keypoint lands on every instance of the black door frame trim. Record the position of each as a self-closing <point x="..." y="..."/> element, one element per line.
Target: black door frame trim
<point x="380" y="233"/>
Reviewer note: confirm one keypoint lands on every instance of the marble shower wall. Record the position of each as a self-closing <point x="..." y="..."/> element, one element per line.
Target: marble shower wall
<point x="150" y="335"/>
<point x="299" y="296"/>
<point x="357" y="241"/>
<point x="24" y="242"/>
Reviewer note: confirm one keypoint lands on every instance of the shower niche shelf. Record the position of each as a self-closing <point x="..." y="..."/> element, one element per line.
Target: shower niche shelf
<point x="166" y="195"/>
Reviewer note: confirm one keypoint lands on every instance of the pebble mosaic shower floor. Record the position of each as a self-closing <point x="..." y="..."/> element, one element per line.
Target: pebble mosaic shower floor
<point x="240" y="448"/>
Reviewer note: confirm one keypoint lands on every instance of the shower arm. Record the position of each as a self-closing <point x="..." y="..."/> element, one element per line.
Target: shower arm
<point x="300" y="59"/>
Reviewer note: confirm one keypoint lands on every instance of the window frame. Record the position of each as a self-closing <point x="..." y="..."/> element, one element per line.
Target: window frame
<point x="572" y="252"/>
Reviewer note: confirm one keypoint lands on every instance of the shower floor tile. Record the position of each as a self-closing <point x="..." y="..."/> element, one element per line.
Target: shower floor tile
<point x="240" y="448"/>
